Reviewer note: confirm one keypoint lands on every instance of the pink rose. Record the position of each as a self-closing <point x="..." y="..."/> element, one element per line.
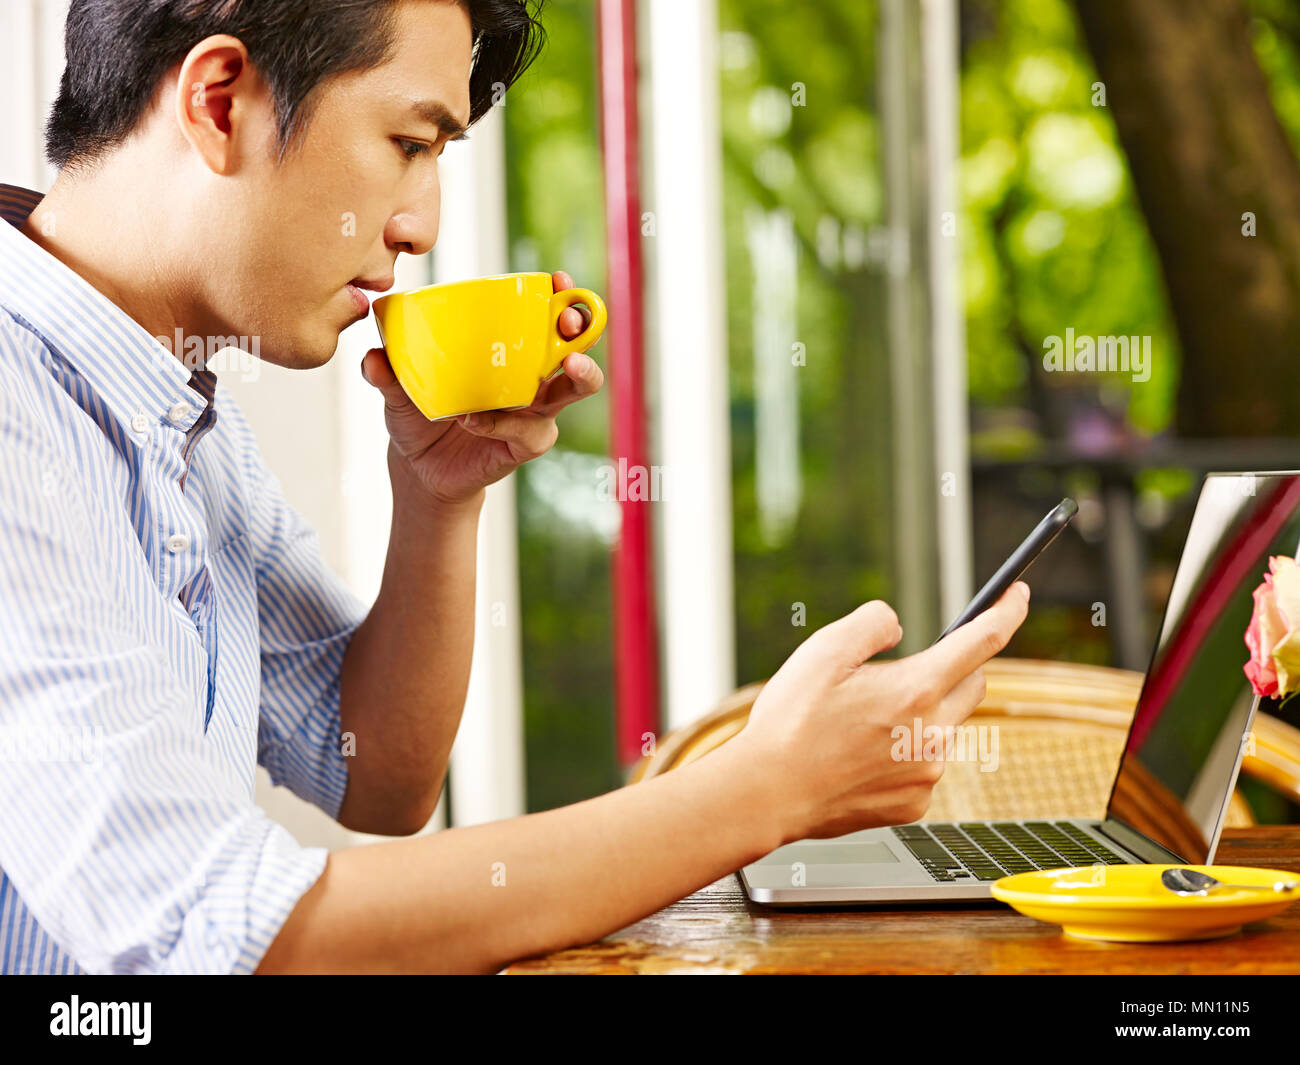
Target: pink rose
<point x="1273" y="635"/>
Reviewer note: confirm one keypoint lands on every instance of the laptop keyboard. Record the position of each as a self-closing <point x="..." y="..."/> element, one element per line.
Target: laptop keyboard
<point x="978" y="850"/>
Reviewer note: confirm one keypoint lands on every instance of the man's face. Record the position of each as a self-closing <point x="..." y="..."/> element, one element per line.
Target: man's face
<point x="358" y="188"/>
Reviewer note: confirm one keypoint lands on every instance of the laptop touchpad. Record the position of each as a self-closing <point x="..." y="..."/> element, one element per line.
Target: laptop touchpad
<point x="837" y="853"/>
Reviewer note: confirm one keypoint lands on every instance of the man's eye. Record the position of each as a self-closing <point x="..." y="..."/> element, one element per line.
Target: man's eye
<point x="411" y="149"/>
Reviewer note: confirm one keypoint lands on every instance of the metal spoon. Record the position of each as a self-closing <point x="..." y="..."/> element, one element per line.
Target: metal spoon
<point x="1190" y="882"/>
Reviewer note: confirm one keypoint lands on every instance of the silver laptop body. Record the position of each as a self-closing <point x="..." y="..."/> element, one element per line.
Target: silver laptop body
<point x="1194" y="687"/>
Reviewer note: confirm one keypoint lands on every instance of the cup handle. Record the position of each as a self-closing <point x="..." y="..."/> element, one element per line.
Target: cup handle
<point x="565" y="298"/>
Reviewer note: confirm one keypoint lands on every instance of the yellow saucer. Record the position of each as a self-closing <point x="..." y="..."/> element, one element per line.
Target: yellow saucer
<point x="1128" y="904"/>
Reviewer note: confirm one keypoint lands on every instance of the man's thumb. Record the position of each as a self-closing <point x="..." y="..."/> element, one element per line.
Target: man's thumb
<point x="377" y="373"/>
<point x="370" y="363"/>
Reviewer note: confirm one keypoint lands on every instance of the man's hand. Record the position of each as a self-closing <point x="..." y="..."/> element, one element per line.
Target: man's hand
<point x="455" y="459"/>
<point x="822" y="730"/>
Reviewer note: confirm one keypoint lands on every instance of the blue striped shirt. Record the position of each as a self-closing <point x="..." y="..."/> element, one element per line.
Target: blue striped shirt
<point x="167" y="623"/>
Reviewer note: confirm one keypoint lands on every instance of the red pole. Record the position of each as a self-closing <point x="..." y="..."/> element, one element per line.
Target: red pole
<point x="636" y="644"/>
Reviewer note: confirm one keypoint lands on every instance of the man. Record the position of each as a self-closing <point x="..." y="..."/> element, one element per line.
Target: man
<point x="158" y="594"/>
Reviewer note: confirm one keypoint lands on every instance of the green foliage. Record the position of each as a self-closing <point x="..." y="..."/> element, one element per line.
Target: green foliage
<point x="1053" y="237"/>
<point x="1275" y="31"/>
<point x="800" y="135"/>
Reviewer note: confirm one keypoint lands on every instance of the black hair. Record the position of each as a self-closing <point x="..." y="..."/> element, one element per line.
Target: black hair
<point x="118" y="50"/>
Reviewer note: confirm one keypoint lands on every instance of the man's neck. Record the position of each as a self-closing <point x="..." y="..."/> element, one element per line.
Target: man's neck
<point x="89" y="225"/>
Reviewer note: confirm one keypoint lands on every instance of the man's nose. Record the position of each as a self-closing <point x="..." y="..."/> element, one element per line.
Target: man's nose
<point x="415" y="230"/>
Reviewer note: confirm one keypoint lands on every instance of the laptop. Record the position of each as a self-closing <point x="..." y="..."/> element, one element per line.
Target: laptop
<point x="1180" y="761"/>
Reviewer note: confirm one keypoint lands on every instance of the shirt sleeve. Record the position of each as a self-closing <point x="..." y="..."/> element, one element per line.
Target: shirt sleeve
<point x="127" y="844"/>
<point x="307" y="617"/>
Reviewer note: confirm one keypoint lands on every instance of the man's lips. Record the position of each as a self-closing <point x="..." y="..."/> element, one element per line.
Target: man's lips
<point x="360" y="301"/>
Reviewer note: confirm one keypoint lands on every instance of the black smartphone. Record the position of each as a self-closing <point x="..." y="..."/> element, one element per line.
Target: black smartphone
<point x="1048" y="530"/>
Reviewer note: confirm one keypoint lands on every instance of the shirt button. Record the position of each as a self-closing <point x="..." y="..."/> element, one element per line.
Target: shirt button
<point x="177" y="542"/>
<point x="178" y="412"/>
<point x="140" y="423"/>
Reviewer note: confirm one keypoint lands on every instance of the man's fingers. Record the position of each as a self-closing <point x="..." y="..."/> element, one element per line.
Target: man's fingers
<point x="969" y="647"/>
<point x="529" y="435"/>
<point x="870" y="629"/>
<point x="960" y="703"/>
<point x="572" y="322"/>
<point x="581" y="378"/>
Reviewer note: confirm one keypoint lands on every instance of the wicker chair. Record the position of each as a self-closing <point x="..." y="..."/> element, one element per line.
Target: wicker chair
<point x="1061" y="731"/>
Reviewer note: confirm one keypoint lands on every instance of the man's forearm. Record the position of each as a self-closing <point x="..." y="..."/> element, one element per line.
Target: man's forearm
<point x="474" y="899"/>
<point x="406" y="670"/>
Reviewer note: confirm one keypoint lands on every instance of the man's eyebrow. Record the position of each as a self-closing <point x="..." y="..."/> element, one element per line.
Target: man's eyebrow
<point x="437" y="114"/>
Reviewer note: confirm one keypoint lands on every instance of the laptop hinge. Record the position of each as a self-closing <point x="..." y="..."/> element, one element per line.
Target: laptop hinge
<point x="1131" y="839"/>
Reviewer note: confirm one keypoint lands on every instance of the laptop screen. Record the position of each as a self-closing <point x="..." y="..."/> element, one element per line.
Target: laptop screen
<point x="1179" y="763"/>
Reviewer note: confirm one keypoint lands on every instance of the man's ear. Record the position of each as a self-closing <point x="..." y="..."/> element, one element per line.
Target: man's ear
<point x="216" y="90"/>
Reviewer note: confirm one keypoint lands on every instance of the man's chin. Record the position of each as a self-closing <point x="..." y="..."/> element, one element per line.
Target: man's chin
<point x="302" y="353"/>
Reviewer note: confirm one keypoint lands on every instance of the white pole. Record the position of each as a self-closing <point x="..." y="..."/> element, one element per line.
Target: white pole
<point x="687" y="330"/>
<point x="913" y="501"/>
<point x="939" y="66"/>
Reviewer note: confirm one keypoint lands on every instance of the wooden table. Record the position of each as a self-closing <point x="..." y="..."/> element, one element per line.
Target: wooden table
<point x="719" y="930"/>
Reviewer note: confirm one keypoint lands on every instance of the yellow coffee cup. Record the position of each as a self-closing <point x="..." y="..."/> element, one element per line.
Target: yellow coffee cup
<point x="484" y="344"/>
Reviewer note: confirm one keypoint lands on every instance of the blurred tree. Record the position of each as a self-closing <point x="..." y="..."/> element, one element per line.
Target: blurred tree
<point x="1219" y="185"/>
<point x="1053" y="236"/>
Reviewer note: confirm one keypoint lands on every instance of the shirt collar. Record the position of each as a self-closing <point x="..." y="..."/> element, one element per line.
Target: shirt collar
<point x="130" y="370"/>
